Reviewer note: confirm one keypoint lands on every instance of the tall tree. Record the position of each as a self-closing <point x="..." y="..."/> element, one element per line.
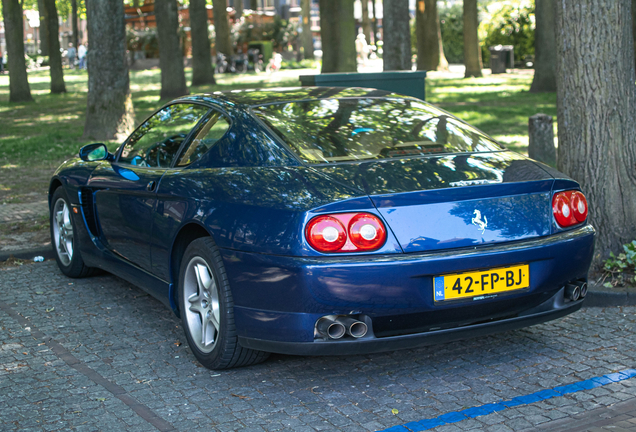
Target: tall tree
<point x="109" y="110"/>
<point x="74" y="24"/>
<point x="430" y="50"/>
<point x="366" y="23"/>
<point x="472" y="50"/>
<point x="545" y="48"/>
<point x="338" y="34"/>
<point x="19" y="90"/>
<point x="597" y="128"/>
<point x="397" y="35"/>
<point x="44" y="29"/>
<point x="222" y="28"/>
<point x="202" y="72"/>
<point x="374" y="21"/>
<point x="634" y="24"/>
<point x="173" y="83"/>
<point x="55" y="57"/>
<point x="307" y="37"/>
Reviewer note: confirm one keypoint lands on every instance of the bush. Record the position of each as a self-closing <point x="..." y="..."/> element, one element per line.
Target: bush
<point x="143" y="40"/>
<point x="452" y="27"/>
<point x="621" y="269"/>
<point x="509" y="23"/>
<point x="303" y="64"/>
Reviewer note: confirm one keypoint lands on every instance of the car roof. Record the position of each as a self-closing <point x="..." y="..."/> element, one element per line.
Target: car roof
<point x="257" y="97"/>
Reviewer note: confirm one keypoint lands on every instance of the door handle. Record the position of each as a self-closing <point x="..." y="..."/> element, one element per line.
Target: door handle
<point x="151" y="186"/>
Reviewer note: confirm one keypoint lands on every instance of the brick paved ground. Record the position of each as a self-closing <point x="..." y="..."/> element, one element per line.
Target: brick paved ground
<point x="21" y="212"/>
<point x="99" y="354"/>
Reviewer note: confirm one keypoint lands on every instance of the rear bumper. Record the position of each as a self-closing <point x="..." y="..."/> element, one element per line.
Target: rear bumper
<point x="279" y="299"/>
<point x="552" y="309"/>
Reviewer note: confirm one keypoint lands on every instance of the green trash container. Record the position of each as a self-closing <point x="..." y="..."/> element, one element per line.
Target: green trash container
<point x="410" y="83"/>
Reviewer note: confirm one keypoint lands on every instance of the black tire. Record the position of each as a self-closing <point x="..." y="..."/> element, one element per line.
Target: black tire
<point x="213" y="340"/>
<point x="64" y="237"/>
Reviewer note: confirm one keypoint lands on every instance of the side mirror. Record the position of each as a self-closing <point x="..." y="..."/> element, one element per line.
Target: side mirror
<point x="94" y="152"/>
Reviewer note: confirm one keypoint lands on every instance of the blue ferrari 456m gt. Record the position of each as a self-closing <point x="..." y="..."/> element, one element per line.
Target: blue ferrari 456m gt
<point x="323" y="221"/>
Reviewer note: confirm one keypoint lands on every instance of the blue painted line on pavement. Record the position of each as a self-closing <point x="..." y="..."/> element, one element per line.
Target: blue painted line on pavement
<point x="457" y="416"/>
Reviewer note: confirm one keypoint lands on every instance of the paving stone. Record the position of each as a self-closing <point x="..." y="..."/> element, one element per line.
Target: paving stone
<point x="129" y="340"/>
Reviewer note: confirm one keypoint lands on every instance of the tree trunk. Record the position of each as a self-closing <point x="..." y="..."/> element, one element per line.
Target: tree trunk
<point x="374" y="23"/>
<point x="597" y="129"/>
<point x="202" y="72"/>
<point x="634" y="26"/>
<point x="397" y="35"/>
<point x="472" y="51"/>
<point x="338" y="36"/>
<point x="307" y="37"/>
<point x="347" y="42"/>
<point x="55" y="57"/>
<point x="75" y="27"/>
<point x="222" y="28"/>
<point x="19" y="90"/>
<point x="109" y="111"/>
<point x="545" y="48"/>
<point x="430" y="51"/>
<point x="238" y="8"/>
<point x="254" y="5"/>
<point x="44" y="29"/>
<point x="173" y="83"/>
<point x="366" y="23"/>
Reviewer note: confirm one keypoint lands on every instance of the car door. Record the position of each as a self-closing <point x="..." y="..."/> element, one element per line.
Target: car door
<point x="172" y="196"/>
<point x="125" y="190"/>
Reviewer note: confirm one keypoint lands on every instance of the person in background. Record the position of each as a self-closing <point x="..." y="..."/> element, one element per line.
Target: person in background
<point x="81" y="53"/>
<point x="70" y="55"/>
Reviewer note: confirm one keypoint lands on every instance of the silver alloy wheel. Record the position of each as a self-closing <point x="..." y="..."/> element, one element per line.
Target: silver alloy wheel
<point x="201" y="298"/>
<point x="63" y="231"/>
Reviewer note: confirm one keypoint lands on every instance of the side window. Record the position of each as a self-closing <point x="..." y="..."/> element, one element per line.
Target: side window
<point x="156" y="142"/>
<point x="209" y="134"/>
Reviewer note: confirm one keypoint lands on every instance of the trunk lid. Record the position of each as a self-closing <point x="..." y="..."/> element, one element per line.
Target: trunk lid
<point x="453" y="201"/>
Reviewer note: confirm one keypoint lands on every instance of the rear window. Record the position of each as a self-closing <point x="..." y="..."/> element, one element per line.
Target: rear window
<point x="345" y="130"/>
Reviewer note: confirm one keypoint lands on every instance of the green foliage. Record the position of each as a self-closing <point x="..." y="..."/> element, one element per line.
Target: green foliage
<point x="509" y="23"/>
<point x="143" y="40"/>
<point x="618" y="267"/>
<point x="452" y="27"/>
<point x="280" y="32"/>
<point x="303" y="64"/>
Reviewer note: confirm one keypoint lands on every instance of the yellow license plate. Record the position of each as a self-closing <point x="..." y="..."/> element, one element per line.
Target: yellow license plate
<point x="480" y="283"/>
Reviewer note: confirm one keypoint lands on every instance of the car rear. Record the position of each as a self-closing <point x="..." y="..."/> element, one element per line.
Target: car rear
<point x="458" y="236"/>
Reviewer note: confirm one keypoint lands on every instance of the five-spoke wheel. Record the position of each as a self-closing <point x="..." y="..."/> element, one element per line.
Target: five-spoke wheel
<point x="62" y="231"/>
<point x="64" y="237"/>
<point x="207" y="309"/>
<point x="202" y="304"/>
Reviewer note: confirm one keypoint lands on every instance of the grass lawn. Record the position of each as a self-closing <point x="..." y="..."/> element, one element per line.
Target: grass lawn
<point x="36" y="137"/>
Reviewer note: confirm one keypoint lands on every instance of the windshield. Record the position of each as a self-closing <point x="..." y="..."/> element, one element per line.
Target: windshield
<point x="344" y="130"/>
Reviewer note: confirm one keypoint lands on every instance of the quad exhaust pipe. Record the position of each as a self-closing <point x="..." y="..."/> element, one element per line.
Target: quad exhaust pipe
<point x="576" y="291"/>
<point x="335" y="327"/>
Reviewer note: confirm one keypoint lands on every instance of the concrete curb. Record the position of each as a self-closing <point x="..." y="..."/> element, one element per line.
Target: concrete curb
<point x="599" y="296"/>
<point x="28" y="254"/>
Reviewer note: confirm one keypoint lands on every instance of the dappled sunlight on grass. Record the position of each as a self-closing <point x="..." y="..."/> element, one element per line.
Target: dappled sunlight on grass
<point x="42" y="134"/>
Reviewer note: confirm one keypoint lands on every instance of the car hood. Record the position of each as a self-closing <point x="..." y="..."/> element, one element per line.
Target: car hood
<point x="452" y="201"/>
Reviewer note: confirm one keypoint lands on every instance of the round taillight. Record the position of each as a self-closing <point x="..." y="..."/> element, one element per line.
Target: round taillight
<point x="569" y="208"/>
<point x="326" y="234"/>
<point x="366" y="231"/>
<point x="561" y="209"/>
<point x="579" y="206"/>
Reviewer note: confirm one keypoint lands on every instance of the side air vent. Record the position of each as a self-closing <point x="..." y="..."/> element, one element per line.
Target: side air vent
<point x="88" y="210"/>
